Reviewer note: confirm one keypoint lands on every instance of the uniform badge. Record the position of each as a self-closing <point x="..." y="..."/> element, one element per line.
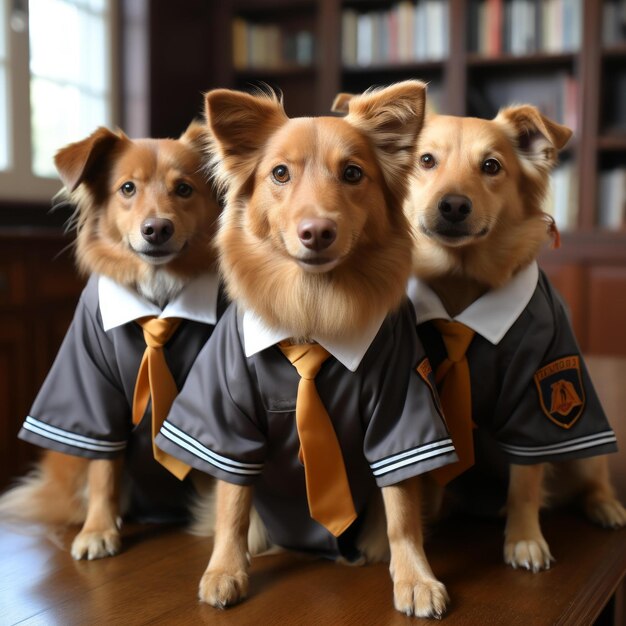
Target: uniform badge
<point x="561" y="391"/>
<point x="425" y="370"/>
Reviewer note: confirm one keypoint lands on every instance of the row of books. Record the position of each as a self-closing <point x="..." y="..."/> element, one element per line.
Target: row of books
<point x="405" y="32"/>
<point x="554" y="94"/>
<point x="523" y="27"/>
<point x="269" y="46"/>
<point x="562" y="201"/>
<point x="612" y="198"/>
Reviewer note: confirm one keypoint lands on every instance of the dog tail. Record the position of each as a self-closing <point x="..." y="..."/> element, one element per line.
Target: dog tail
<point x="54" y="493"/>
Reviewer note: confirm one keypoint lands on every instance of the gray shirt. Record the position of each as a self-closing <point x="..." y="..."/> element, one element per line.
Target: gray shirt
<point x="235" y="419"/>
<point x="532" y="397"/>
<point x="84" y="407"/>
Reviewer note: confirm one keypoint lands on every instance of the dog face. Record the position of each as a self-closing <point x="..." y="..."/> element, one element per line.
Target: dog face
<point x="143" y="206"/>
<point x="479" y="187"/>
<point x="314" y="205"/>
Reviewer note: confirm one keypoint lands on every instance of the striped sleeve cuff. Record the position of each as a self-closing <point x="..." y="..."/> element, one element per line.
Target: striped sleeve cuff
<point x="71" y="442"/>
<point x="580" y="446"/>
<point x="429" y="456"/>
<point x="193" y="447"/>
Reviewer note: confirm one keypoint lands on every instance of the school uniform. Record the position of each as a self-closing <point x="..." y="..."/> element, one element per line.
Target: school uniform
<point x="235" y="419"/>
<point x="532" y="397"/>
<point x="84" y="407"/>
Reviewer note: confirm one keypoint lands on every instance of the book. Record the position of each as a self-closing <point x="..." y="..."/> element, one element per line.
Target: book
<point x="349" y="37"/>
<point x="364" y="40"/>
<point x="240" y="44"/>
<point x="612" y="198"/>
<point x="562" y="199"/>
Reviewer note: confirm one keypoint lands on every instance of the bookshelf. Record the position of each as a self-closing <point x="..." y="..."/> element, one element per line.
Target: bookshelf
<point x="567" y="56"/>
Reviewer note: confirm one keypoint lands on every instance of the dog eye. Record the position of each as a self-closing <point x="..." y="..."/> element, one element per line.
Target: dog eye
<point x="427" y="161"/>
<point x="281" y="174"/>
<point x="352" y="174"/>
<point x="184" y="190"/>
<point x="491" y="167"/>
<point x="128" y="189"/>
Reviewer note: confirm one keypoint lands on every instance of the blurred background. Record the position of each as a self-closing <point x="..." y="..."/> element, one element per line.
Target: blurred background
<point x="68" y="66"/>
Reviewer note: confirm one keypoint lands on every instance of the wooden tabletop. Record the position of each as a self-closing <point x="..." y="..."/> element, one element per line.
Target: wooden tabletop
<point x="155" y="579"/>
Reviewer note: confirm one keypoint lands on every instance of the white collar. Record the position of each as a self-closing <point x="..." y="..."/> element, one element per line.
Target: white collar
<point x="349" y="351"/>
<point x="120" y="305"/>
<point x="491" y="316"/>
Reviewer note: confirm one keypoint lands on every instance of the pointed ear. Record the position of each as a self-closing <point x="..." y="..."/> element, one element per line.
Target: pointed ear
<point x="538" y="138"/>
<point x="77" y="161"/>
<point x="240" y="125"/>
<point x="341" y="102"/>
<point x="196" y="136"/>
<point x="392" y="117"/>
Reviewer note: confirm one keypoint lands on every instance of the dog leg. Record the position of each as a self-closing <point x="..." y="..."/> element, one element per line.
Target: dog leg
<point x="225" y="581"/>
<point x="100" y="535"/>
<point x="524" y="545"/>
<point x="592" y="479"/>
<point x="416" y="591"/>
<point x="373" y="543"/>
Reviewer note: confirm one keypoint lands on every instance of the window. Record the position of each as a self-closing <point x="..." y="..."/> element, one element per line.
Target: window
<point x="56" y="86"/>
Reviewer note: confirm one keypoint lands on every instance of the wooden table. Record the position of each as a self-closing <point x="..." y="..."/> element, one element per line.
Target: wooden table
<point x="155" y="579"/>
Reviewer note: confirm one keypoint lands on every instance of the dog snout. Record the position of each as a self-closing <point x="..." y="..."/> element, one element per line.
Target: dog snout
<point x="157" y="230"/>
<point x="317" y="233"/>
<point x="455" y="208"/>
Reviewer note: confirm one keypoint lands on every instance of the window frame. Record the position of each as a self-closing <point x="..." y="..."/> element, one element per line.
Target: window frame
<point x="18" y="183"/>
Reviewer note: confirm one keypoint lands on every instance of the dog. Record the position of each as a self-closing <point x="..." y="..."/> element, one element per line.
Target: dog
<point x="477" y="210"/>
<point x="145" y="219"/>
<point x="315" y="251"/>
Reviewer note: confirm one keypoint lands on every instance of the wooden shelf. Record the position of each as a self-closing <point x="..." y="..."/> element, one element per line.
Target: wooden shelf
<point x="613" y="141"/>
<point x="562" y="59"/>
<point x="284" y="71"/>
<point x="271" y="6"/>
<point x="615" y="51"/>
<point x="396" y="68"/>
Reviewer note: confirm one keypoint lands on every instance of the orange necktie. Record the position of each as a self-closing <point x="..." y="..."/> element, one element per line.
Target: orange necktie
<point x="328" y="490"/>
<point x="155" y="381"/>
<point x="453" y="380"/>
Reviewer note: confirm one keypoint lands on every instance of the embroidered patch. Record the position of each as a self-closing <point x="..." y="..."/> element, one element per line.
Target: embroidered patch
<point x="425" y="370"/>
<point x="561" y="391"/>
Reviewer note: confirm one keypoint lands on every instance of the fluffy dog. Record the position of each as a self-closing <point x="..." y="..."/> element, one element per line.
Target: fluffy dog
<point x="315" y="251"/>
<point x="476" y="207"/>
<point x="145" y="217"/>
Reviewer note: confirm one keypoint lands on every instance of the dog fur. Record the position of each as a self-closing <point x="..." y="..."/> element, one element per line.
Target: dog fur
<point x="502" y="168"/>
<point x="118" y="185"/>
<point x="323" y="291"/>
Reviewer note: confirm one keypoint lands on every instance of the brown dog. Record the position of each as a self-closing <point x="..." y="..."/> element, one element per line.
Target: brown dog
<point x="476" y="208"/>
<point x="315" y="250"/>
<point x="146" y="217"/>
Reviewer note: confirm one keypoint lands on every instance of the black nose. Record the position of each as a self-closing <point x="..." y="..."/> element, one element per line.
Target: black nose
<point x="317" y="233"/>
<point x="455" y="208"/>
<point x="157" y="230"/>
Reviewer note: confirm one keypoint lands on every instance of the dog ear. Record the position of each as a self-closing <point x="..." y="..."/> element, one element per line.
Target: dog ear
<point x="341" y="102"/>
<point x="538" y="138"/>
<point x="196" y="136"/>
<point x="240" y="125"/>
<point x="76" y="161"/>
<point x="392" y="117"/>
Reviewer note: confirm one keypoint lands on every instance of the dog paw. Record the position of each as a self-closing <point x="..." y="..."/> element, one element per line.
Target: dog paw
<point x="533" y="555"/>
<point x="607" y="513"/>
<point x="422" y="599"/>
<point x="222" y="589"/>
<point x="96" y="544"/>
